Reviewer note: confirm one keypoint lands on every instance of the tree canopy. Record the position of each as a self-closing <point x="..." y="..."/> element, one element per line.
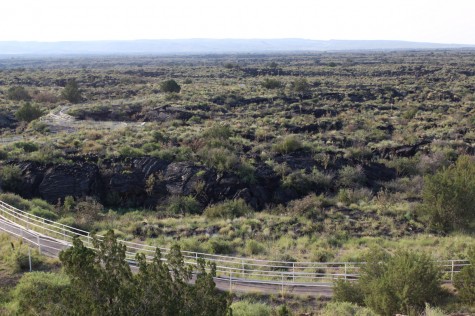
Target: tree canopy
<point x="71" y="92"/>
<point x="170" y="86"/>
<point x="449" y="196"/>
<point x="102" y="282"/>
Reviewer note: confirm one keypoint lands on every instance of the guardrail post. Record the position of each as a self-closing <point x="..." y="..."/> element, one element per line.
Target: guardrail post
<point x="29" y="257"/>
<point x="282" y="284"/>
<point x="242" y="268"/>
<point x="452" y="271"/>
<point x="293" y="272"/>
<point x="346" y="269"/>
<point x="230" y="281"/>
<point x="39" y="244"/>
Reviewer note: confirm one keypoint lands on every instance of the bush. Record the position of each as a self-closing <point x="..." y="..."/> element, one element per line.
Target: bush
<point x="401" y="283"/>
<point x="351" y="177"/>
<point x="27" y="146"/>
<point x="228" y="209"/>
<point x="349" y="196"/>
<point x="246" y="308"/>
<point x="271" y="84"/>
<point x="310" y="206"/>
<point x="44" y="213"/>
<point x="128" y="151"/>
<point x="218" y="131"/>
<point x="18" y="94"/>
<point x="464" y="281"/>
<point x="449" y="196"/>
<point x="40" y="293"/>
<point x="288" y="144"/>
<point x="219" y="246"/>
<point x="183" y="205"/>
<point x="28" y="113"/>
<point x="345" y="309"/>
<point x="221" y="159"/>
<point x="10" y="178"/>
<point x="345" y="291"/>
<point x="71" y="92"/>
<point x="254" y="248"/>
<point x="15" y="201"/>
<point x="15" y="254"/>
<point x="170" y="86"/>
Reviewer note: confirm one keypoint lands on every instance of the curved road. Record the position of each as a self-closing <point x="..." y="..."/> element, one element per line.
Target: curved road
<point x="51" y="247"/>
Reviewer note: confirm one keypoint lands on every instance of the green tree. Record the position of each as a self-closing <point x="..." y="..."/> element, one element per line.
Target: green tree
<point x="170" y="86"/>
<point x="71" y="92"/>
<point x="271" y="84"/>
<point x="28" y="113"/>
<point x="102" y="282"/>
<point x="449" y="196"/>
<point x="390" y="284"/>
<point x="464" y="281"/>
<point x="301" y="87"/>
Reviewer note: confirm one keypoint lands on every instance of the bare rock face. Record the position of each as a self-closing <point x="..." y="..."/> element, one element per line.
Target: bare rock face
<point x="76" y="180"/>
<point x="182" y="178"/>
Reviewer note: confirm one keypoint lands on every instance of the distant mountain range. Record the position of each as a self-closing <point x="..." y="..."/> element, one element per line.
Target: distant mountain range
<point x="200" y="46"/>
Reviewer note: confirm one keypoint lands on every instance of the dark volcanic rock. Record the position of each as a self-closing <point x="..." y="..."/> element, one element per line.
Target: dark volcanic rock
<point x="32" y="175"/>
<point x="182" y="178"/>
<point x="75" y="180"/>
<point x="7" y="120"/>
<point x="166" y="113"/>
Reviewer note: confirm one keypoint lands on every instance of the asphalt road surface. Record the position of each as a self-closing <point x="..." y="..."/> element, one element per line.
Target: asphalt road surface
<point x="51" y="247"/>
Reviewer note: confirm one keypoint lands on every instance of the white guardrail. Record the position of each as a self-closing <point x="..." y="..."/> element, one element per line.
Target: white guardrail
<point x="52" y="237"/>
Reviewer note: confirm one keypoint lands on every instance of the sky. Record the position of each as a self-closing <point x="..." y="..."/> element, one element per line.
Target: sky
<point x="437" y="21"/>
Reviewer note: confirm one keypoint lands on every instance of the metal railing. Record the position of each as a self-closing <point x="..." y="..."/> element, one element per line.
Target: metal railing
<point x="54" y="236"/>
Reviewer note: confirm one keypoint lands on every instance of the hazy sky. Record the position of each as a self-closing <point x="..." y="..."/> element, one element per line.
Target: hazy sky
<point x="440" y="21"/>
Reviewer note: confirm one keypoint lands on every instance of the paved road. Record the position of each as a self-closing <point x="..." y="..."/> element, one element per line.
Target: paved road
<point x="51" y="247"/>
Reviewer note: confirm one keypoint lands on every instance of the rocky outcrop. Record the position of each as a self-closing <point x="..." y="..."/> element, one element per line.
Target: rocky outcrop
<point x="148" y="181"/>
<point x="76" y="180"/>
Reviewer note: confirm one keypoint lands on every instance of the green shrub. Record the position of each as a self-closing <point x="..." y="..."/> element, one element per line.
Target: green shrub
<point x="44" y="213"/>
<point x="14" y="253"/>
<point x="28" y="113"/>
<point x="245" y="171"/>
<point x="16" y="201"/>
<point x="27" y="146"/>
<point x="128" y="151"/>
<point x="401" y="283"/>
<point x="349" y="196"/>
<point x="183" y="205"/>
<point x="345" y="291"/>
<point x="170" y="86"/>
<point x="449" y="196"/>
<point x="222" y="159"/>
<point x="298" y="181"/>
<point x="18" y="94"/>
<point x="228" y="209"/>
<point x="288" y="144"/>
<point x="10" y="177"/>
<point x="254" y="247"/>
<point x="310" y="206"/>
<point x="218" y="131"/>
<point x="40" y="293"/>
<point x="345" y="309"/>
<point x="71" y="92"/>
<point x="246" y="308"/>
<point x="464" y="281"/>
<point x="351" y="177"/>
<point x="219" y="246"/>
<point x="270" y="83"/>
